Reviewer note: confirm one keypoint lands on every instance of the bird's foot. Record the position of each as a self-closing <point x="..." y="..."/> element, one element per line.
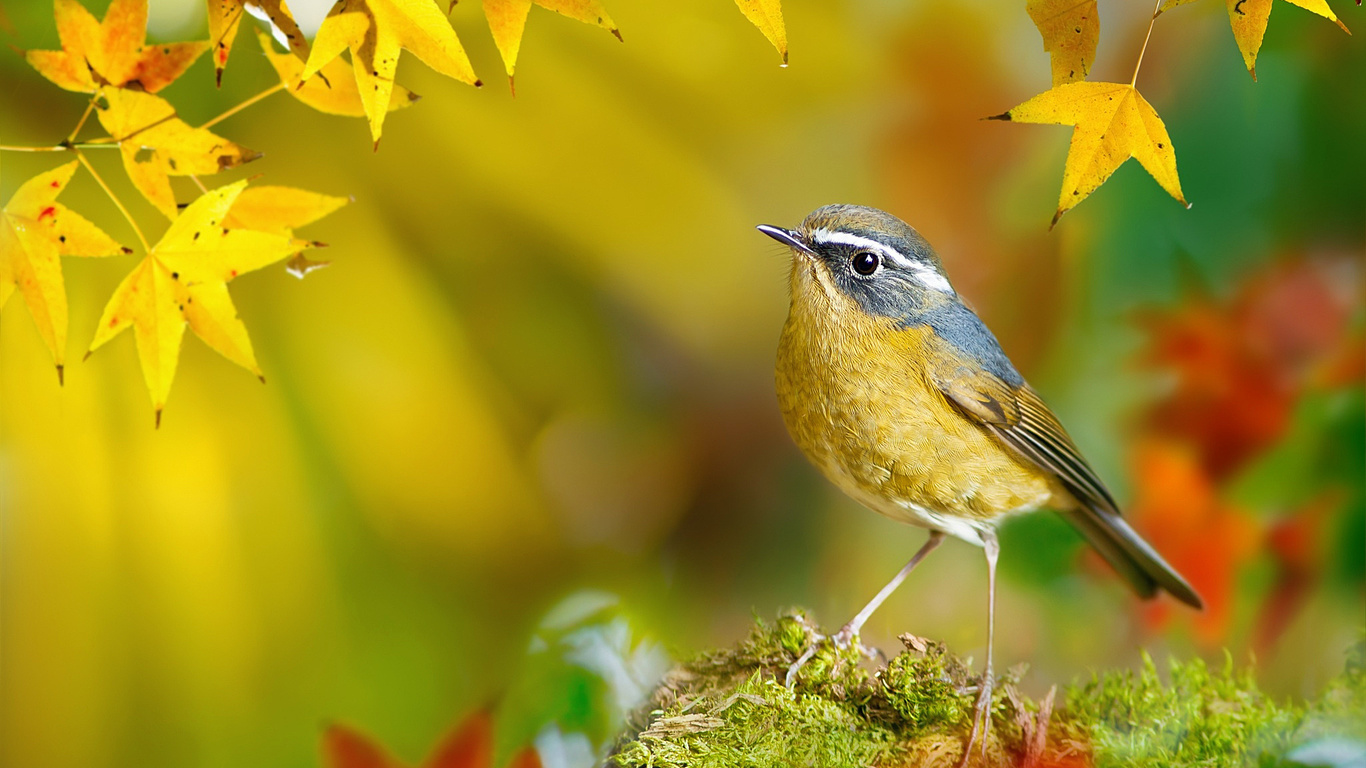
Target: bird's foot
<point x="847" y="636"/>
<point x="841" y="640"/>
<point x="981" y="720"/>
<point x="810" y="651"/>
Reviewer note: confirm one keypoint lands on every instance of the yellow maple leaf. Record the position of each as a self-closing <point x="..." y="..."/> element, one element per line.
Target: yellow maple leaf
<point x="35" y="231"/>
<point x="507" y="20"/>
<point x="376" y="32"/>
<point x="183" y="281"/>
<point x="225" y="16"/>
<point x="1070" y="29"/>
<point x="281" y="210"/>
<point x="156" y="145"/>
<point x="1248" y="19"/>
<point x="334" y="92"/>
<point x="767" y="15"/>
<point x="1113" y="123"/>
<point x="112" y="51"/>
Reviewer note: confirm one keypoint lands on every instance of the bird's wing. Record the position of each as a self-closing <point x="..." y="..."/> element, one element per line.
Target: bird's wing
<point x="1021" y="420"/>
<point x="1016" y="415"/>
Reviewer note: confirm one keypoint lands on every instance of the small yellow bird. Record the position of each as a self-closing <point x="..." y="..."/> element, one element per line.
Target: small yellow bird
<point x="897" y="391"/>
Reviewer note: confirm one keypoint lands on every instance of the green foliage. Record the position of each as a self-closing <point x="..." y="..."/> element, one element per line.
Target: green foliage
<point x="731" y="708"/>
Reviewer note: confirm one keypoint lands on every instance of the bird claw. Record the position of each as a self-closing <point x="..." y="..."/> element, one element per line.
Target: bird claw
<point x="981" y="720"/>
<point x="842" y="640"/>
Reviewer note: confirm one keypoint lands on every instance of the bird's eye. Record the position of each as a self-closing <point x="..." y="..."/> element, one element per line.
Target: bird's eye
<point x="866" y="262"/>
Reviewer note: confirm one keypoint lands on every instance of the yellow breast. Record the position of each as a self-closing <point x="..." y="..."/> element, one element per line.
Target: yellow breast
<point x="856" y="397"/>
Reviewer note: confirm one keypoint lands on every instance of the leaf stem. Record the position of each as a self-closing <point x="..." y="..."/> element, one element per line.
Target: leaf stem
<point x="202" y="189"/>
<point x="117" y="203"/>
<point x="263" y="94"/>
<point x="89" y="107"/>
<point x="63" y="147"/>
<point x="1156" y="9"/>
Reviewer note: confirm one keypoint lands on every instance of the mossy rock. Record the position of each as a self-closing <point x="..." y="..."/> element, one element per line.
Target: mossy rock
<point x="732" y="708"/>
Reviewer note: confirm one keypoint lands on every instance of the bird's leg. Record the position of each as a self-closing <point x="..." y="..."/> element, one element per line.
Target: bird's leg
<point x="981" y="717"/>
<point x="850" y="631"/>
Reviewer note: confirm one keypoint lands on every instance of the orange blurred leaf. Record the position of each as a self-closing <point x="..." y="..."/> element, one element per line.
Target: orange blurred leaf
<point x="1248" y="18"/>
<point x="507" y="20"/>
<point x="183" y="280"/>
<point x="225" y="16"/>
<point x="1113" y="123"/>
<point x="112" y="51"/>
<point x="468" y="745"/>
<point x="376" y="32"/>
<point x="1178" y="510"/>
<point x="1070" y="30"/>
<point x="35" y="231"/>
<point x="156" y="145"/>
<point x="333" y="93"/>
<point x="767" y="15"/>
<point x="347" y="748"/>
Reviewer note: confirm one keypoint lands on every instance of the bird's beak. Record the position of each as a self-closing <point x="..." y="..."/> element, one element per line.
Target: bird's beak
<point x="786" y="237"/>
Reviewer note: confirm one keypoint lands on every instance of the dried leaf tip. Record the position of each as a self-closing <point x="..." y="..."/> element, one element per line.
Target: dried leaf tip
<point x="158" y="419"/>
<point x="1056" y="216"/>
<point x="620" y="39"/>
<point x="61" y="376"/>
<point x="1003" y="116"/>
<point x="87" y="355"/>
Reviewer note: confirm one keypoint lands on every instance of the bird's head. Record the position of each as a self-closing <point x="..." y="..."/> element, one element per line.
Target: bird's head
<point x="855" y="258"/>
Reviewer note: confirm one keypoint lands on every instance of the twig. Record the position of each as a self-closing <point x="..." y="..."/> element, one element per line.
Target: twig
<point x="117" y="203"/>
<point x="63" y="147"/>
<point x="263" y="94"/>
<point x="1146" y="38"/>
<point x="89" y="107"/>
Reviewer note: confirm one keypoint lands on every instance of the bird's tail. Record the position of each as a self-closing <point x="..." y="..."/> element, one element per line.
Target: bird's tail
<point x="1130" y="555"/>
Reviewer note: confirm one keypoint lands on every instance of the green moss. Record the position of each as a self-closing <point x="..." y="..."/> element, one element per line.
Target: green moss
<point x="731" y="707"/>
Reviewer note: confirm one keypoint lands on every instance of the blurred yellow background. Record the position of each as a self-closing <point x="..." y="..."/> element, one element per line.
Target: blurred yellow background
<point x="541" y="361"/>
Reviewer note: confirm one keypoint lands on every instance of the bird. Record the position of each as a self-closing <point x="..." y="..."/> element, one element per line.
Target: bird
<point x="901" y="396"/>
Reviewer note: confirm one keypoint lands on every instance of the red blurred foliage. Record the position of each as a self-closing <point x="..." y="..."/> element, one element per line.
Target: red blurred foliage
<point x="1297" y="543"/>
<point x="1178" y="509"/>
<point x="469" y="745"/>
<point x="1240" y="366"/>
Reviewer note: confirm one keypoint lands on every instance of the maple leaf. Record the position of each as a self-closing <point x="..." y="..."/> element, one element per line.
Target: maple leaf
<point x="183" y="280"/>
<point x="281" y="210"/>
<point x="767" y="15"/>
<point x="112" y="51"/>
<point x="1113" y="123"/>
<point x="376" y="31"/>
<point x="35" y="231"/>
<point x="468" y="745"/>
<point x="1248" y="19"/>
<point x="225" y="16"/>
<point x="335" y="92"/>
<point x="507" y="20"/>
<point x="156" y="145"/>
<point x="1070" y="30"/>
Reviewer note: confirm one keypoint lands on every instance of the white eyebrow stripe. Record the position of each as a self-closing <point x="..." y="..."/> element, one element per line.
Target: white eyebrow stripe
<point x="926" y="276"/>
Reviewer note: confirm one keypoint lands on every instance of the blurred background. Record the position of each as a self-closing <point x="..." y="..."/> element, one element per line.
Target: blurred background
<point x="536" y="381"/>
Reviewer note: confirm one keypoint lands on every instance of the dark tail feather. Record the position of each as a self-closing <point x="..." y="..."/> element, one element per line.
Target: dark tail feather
<point x="1131" y="556"/>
